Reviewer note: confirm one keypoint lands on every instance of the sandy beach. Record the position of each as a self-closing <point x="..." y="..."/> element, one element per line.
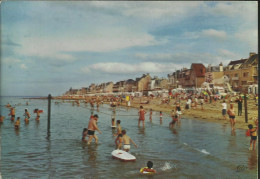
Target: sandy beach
<point x="210" y="113"/>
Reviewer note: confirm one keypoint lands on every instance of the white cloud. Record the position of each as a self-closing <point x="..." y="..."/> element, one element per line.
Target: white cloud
<point x="98" y="40"/>
<point x="23" y="66"/>
<point x="206" y="33"/>
<point x="249" y="36"/>
<point x="245" y="10"/>
<point x="214" y="33"/>
<point x="152" y="10"/>
<point x="228" y="55"/>
<point x="123" y="68"/>
<point x="10" y="60"/>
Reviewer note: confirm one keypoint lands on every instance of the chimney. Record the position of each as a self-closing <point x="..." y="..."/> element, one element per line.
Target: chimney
<point x="251" y="54"/>
<point x="221" y="67"/>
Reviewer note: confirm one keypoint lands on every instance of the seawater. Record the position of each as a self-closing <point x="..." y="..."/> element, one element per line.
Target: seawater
<point x="195" y="149"/>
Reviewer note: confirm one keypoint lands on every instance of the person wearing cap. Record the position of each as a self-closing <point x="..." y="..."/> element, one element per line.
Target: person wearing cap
<point x="92" y="127"/>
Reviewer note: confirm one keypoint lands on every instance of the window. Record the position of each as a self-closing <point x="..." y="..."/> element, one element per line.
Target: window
<point x="243" y="82"/>
<point x="236" y="75"/>
<point x="245" y="74"/>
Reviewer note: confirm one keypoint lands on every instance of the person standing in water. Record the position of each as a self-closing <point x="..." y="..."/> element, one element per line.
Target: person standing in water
<point x="126" y="139"/>
<point x="118" y="134"/>
<point x="27" y="114"/>
<point x="12" y="113"/>
<point x="151" y="114"/>
<point x="232" y="114"/>
<point x="92" y="127"/>
<point x="17" y="123"/>
<point x="224" y="109"/>
<point x="113" y="123"/>
<point x="142" y="113"/>
<point x="253" y="134"/>
<point x="38" y="115"/>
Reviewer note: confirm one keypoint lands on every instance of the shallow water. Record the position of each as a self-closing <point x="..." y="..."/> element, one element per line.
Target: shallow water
<point x="195" y="149"/>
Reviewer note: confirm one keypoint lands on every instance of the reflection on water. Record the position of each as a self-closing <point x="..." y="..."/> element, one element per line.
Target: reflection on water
<point x="252" y="160"/>
<point x="194" y="146"/>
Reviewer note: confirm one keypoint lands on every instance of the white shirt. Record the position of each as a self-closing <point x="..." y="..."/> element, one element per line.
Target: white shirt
<point x="224" y="105"/>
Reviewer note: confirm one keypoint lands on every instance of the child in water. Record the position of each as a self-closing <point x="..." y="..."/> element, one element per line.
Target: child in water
<point x="84" y="135"/>
<point x="174" y="120"/>
<point x="161" y="115"/>
<point x="253" y="134"/>
<point x="17" y="123"/>
<point x="151" y="113"/>
<point x="113" y="123"/>
<point x="126" y="139"/>
<point x="149" y="168"/>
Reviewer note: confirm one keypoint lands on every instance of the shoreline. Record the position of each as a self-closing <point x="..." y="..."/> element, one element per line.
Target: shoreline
<point x="211" y="112"/>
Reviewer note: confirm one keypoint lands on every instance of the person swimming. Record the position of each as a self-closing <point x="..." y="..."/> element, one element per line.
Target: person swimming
<point x="149" y="169"/>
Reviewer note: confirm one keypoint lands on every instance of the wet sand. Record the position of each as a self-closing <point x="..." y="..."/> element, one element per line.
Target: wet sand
<point x="212" y="112"/>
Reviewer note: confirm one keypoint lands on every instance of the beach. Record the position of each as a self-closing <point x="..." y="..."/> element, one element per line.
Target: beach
<point x="210" y="113"/>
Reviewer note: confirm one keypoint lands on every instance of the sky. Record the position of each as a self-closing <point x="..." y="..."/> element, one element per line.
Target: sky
<point x="48" y="47"/>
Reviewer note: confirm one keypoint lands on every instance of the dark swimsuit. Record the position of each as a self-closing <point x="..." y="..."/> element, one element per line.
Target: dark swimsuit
<point x="90" y="132"/>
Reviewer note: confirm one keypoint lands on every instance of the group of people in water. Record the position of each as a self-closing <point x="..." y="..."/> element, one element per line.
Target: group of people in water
<point x="26" y="115"/>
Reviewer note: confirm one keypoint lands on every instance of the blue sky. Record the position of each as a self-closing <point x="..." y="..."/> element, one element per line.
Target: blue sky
<point x="48" y="47"/>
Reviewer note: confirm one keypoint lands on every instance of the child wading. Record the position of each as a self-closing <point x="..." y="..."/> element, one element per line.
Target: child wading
<point x="126" y="139"/>
<point x="253" y="133"/>
<point x="142" y="112"/>
<point x="17" y="123"/>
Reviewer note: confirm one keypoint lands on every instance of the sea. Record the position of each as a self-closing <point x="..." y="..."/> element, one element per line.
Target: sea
<point x="192" y="149"/>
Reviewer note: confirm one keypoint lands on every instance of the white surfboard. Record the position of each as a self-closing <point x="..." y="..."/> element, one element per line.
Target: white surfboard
<point x="113" y="127"/>
<point x="122" y="155"/>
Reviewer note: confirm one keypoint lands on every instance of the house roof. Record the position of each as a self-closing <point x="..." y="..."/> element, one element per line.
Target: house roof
<point x="237" y="62"/>
<point x="251" y="59"/>
<point x="199" y="69"/>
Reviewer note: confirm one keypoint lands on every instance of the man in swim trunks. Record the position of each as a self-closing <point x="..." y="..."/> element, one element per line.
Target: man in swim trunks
<point x="126" y="139"/>
<point x="231" y="113"/>
<point x="142" y="112"/>
<point x="92" y="126"/>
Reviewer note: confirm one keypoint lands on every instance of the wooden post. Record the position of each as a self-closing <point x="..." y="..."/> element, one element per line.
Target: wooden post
<point x="245" y="100"/>
<point x="49" y="115"/>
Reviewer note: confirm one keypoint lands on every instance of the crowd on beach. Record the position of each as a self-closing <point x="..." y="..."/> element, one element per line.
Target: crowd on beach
<point x="192" y="101"/>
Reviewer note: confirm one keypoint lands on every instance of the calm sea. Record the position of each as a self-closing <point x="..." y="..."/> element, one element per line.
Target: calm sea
<point x="195" y="149"/>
